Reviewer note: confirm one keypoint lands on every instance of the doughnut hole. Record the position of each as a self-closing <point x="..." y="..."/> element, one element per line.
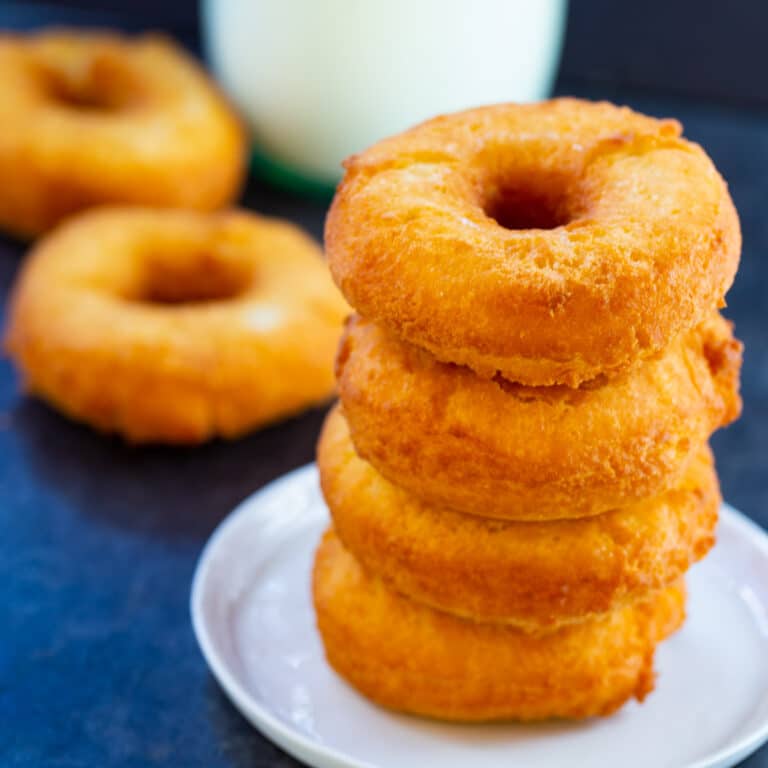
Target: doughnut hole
<point x="181" y="276"/>
<point x="96" y="84"/>
<point x="527" y="201"/>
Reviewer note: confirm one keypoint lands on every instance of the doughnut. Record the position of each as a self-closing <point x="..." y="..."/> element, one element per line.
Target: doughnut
<point x="492" y="448"/>
<point x="533" y="575"/>
<point x="93" y="118"/>
<point x="548" y="243"/>
<point x="175" y="326"/>
<point x="412" y="658"/>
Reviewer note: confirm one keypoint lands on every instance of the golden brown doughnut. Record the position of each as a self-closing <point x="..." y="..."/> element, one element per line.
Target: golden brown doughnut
<point x="172" y="326"/>
<point x="533" y="575"/>
<point x="492" y="448"/>
<point x="97" y="118"/>
<point x="412" y="658"/>
<point x="550" y="242"/>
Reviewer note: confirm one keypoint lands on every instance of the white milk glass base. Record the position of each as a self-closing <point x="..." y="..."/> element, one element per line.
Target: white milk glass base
<point x="318" y="80"/>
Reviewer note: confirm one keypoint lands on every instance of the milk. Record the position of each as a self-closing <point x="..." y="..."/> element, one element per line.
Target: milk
<point x="318" y="80"/>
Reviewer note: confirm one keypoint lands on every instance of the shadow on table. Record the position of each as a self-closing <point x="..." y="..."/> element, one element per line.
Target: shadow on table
<point x="159" y="491"/>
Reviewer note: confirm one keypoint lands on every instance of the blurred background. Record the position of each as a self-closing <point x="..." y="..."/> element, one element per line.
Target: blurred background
<point x="98" y="665"/>
<point x="690" y="47"/>
<point x="364" y="68"/>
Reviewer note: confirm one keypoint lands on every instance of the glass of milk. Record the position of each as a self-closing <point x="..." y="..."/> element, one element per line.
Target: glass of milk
<point x="318" y="80"/>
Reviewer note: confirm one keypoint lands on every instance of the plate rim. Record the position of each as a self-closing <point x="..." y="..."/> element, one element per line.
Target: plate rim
<point x="320" y="755"/>
<point x="295" y="744"/>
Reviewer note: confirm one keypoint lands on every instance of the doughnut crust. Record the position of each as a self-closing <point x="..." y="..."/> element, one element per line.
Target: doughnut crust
<point x="96" y="118"/>
<point x="412" y="658"/>
<point x="492" y="448"/>
<point x="175" y="327"/>
<point x="549" y="243"/>
<point x="533" y="575"/>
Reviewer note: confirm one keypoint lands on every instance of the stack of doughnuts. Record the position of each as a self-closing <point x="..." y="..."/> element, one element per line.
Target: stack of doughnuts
<point x="518" y="470"/>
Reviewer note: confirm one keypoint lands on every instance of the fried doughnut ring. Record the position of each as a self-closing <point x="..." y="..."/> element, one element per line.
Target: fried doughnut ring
<point x="533" y="575"/>
<point x="173" y="326"/>
<point x="549" y="242"/>
<point x="492" y="448"/>
<point x="412" y="658"/>
<point x="96" y="118"/>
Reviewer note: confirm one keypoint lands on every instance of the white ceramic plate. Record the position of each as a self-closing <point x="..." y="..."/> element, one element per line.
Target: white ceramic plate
<point x="252" y="614"/>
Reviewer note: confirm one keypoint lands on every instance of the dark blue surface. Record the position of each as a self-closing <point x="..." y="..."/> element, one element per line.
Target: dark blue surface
<point x="98" y="541"/>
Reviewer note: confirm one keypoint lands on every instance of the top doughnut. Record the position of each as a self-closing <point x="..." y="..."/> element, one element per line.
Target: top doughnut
<point x="549" y="243"/>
